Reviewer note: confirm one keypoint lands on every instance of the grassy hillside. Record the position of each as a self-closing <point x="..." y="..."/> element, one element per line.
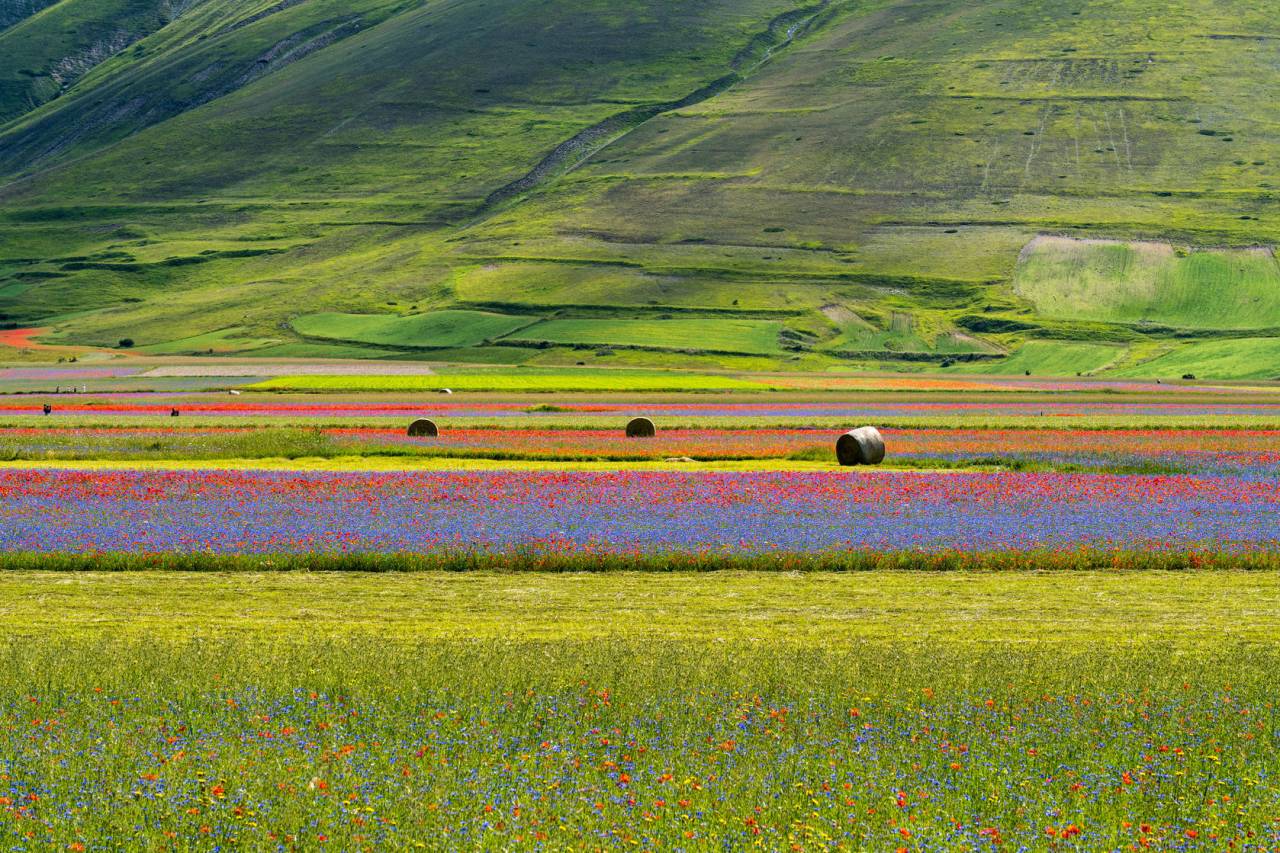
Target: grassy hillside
<point x="1231" y="358"/>
<point x="44" y="53"/>
<point x="836" y="184"/>
<point x="1151" y="283"/>
<point x="14" y="11"/>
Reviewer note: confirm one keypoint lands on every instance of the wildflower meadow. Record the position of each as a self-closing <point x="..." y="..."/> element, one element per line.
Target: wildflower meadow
<point x="254" y="623"/>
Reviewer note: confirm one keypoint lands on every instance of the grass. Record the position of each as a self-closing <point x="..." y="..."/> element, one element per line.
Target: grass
<point x="236" y="447"/>
<point x="816" y="609"/>
<point x="16" y="12"/>
<point x="566" y="283"/>
<point x="598" y="447"/>
<point x="899" y="334"/>
<point x="221" y="341"/>
<point x="1239" y="358"/>
<point x="558" y="561"/>
<point x="1151" y="283"/>
<point x="722" y="335"/>
<point x="44" y="54"/>
<point x="435" y="329"/>
<point x="313" y="350"/>
<point x="261" y="442"/>
<point x="903" y="182"/>
<point x="824" y="711"/>
<point x="1050" y="358"/>
<point x="532" y="382"/>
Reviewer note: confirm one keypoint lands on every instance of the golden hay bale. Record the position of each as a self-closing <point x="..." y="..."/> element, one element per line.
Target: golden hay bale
<point x="641" y="428"/>
<point x="862" y="446"/>
<point x="423" y="427"/>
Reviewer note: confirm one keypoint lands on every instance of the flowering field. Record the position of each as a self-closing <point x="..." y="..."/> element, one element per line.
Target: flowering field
<point x="594" y="670"/>
<point x="582" y="514"/>
<point x="302" y="742"/>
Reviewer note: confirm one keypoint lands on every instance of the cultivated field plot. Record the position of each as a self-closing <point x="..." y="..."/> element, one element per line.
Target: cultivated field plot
<point x="438" y="329"/>
<point x="737" y="335"/>
<point x="1077" y="476"/>
<point x="1244" y="452"/>
<point x="581" y="519"/>
<point x="1151" y="283"/>
<point x="276" y="621"/>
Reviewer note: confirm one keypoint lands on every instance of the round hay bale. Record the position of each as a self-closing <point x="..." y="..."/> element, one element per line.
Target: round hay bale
<point x="423" y="427"/>
<point x="862" y="446"/>
<point x="641" y="428"/>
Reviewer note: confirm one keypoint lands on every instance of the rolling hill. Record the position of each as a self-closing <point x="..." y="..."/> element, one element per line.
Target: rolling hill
<point x="1056" y="187"/>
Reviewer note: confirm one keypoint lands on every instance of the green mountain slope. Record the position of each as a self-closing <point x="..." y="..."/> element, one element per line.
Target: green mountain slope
<point x="18" y="10"/>
<point x="820" y="184"/>
<point x="46" y="51"/>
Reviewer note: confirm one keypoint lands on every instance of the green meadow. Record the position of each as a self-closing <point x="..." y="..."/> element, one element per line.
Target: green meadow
<point x="1053" y="358"/>
<point x="220" y="342"/>
<point x="744" y="336"/>
<point x="1151" y="283"/>
<point x="437" y="329"/>
<point x="1241" y="358"/>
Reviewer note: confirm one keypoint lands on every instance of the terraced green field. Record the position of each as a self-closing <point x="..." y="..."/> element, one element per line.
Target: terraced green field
<point x="900" y="332"/>
<point x="1151" y="283"/>
<point x="434" y="329"/>
<point x="728" y="335"/>
<point x="1052" y="358"/>
<point x="1238" y="358"/>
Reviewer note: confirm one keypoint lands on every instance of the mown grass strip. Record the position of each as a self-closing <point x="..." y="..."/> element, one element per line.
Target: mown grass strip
<point x="833" y="609"/>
